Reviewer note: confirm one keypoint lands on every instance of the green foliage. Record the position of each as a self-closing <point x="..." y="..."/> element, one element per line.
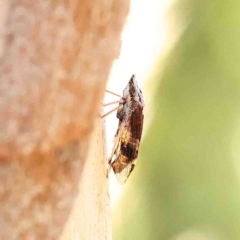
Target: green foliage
<point x="186" y="177"/>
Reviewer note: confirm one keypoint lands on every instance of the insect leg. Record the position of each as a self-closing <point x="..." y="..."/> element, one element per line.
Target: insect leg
<point x="113" y="93"/>
<point x="103" y="116"/>
<point x="107" y="104"/>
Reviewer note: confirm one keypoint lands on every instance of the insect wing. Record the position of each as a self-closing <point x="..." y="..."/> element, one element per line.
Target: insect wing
<point x="124" y="174"/>
<point x="125" y="160"/>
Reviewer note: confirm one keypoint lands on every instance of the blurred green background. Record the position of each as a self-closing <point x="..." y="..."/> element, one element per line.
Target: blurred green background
<point x="186" y="183"/>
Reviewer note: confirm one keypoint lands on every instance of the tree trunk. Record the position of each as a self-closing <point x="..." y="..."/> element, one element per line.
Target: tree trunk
<point x="55" y="61"/>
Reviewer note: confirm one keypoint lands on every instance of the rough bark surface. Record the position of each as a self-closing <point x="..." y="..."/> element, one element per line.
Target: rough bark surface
<point x="55" y="60"/>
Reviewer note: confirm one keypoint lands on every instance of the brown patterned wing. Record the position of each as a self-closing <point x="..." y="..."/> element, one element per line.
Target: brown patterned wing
<point x="130" y="138"/>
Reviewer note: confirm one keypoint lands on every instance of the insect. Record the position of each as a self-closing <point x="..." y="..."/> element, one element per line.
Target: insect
<point x="128" y="136"/>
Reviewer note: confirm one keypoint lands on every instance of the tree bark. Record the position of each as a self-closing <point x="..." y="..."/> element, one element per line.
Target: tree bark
<point x="90" y="217"/>
<point x="55" y="61"/>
